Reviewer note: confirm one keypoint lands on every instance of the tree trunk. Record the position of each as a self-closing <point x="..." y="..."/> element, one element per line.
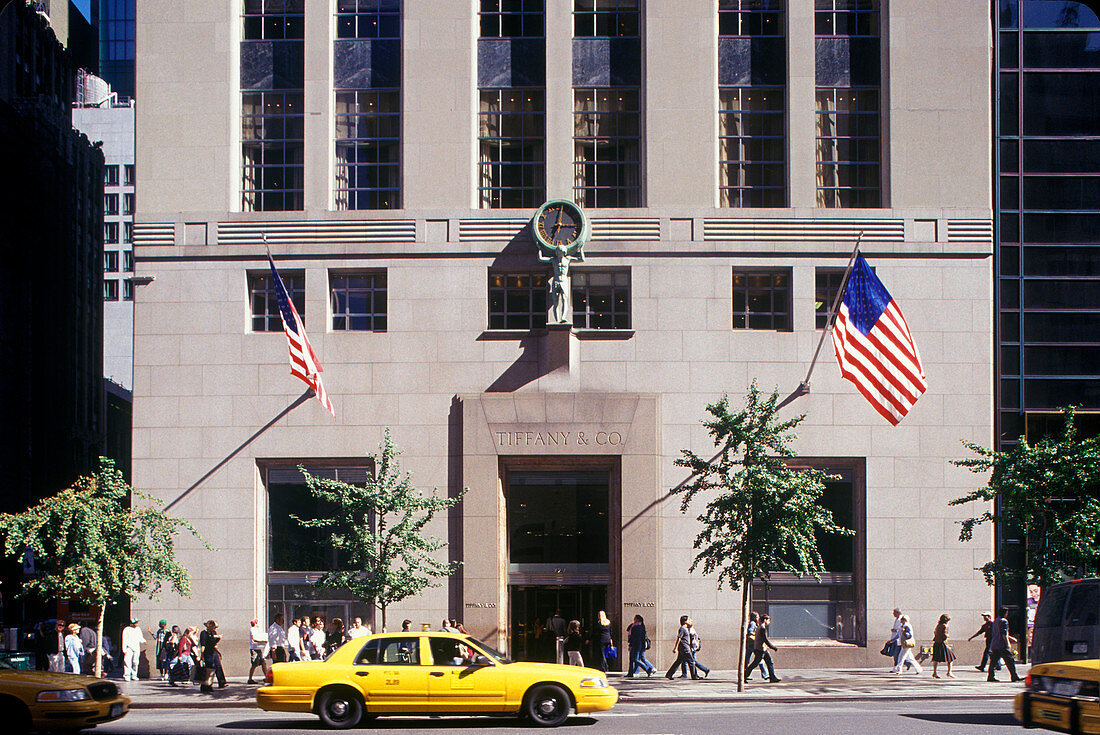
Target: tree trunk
<point x="97" y="670"/>
<point x="383" y="608"/>
<point x="744" y="634"/>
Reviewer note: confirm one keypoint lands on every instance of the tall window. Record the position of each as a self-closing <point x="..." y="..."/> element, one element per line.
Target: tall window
<point x="752" y="103"/>
<point x="110" y="232"/>
<point x="848" y="103"/>
<point x="512" y="104"/>
<point x="607" y="137"/>
<point x="762" y="299"/>
<point x="127" y="290"/>
<point x="272" y="119"/>
<point x="128" y="261"/>
<point x="606" y="148"/>
<point x="601" y="299"/>
<point x="110" y="174"/>
<point x="826" y="284"/>
<point x="110" y="289"/>
<point x="128" y="203"/>
<point x="511" y="137"/>
<point x="367" y="77"/>
<point x="128" y="180"/>
<point x="127" y="231"/>
<point x="264" y="304"/>
<point x="110" y="204"/>
<point x="110" y="261"/>
<point x="359" y="302"/>
<point x="517" y="300"/>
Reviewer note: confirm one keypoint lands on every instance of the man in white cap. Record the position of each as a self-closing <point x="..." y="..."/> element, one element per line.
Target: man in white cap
<point x="132" y="640"/>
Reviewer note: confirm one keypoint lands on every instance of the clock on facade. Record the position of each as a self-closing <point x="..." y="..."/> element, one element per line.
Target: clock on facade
<point x="560" y="223"/>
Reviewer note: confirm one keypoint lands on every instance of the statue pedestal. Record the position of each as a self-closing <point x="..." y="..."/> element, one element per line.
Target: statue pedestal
<point x="559" y="358"/>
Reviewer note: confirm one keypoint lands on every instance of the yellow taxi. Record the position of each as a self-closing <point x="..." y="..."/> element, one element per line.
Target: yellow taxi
<point x="47" y="701"/>
<point x="431" y="673"/>
<point x="1062" y="696"/>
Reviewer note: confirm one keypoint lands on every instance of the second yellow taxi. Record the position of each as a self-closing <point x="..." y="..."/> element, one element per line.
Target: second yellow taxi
<point x="431" y="673"/>
<point x="1063" y="696"/>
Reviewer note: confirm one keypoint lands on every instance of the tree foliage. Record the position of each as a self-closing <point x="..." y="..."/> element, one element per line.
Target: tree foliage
<point x="761" y="516"/>
<point x="379" y="527"/>
<point x="97" y="541"/>
<point x="1048" y="491"/>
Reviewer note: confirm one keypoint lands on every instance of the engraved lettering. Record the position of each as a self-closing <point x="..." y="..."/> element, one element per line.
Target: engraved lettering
<point x="615" y="438"/>
<point x="539" y="439"/>
<point x="502" y="438"/>
<point x="601" y="437"/>
<point x="581" y="439"/>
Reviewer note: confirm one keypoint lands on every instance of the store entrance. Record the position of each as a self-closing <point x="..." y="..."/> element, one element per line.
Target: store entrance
<point x="531" y="606"/>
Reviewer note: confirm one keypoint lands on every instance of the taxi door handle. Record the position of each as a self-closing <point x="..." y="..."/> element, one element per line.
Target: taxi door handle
<point x="436" y="673"/>
<point x="362" y="673"/>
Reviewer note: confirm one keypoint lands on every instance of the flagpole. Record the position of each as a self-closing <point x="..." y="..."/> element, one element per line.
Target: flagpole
<point x="804" y="387"/>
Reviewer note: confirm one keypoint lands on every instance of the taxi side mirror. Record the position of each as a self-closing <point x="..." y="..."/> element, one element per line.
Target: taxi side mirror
<point x="479" y="660"/>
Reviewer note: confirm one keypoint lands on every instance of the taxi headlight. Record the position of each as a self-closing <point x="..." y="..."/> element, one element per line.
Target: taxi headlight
<point x="62" y="695"/>
<point x="593" y="683"/>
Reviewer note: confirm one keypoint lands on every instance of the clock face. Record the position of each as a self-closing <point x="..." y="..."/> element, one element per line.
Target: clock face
<point x="559" y="223"/>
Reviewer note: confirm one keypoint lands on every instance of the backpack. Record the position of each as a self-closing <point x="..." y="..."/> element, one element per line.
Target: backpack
<point x="170" y="650"/>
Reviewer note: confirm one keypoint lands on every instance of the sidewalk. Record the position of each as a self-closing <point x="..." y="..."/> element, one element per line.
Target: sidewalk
<point x="810" y="685"/>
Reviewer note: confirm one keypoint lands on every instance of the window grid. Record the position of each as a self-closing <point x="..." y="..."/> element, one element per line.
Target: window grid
<point x="110" y="232"/>
<point x="359" y="302"/>
<point x="606" y="18"/>
<point x="264" y="304"/>
<point x="273" y="19"/>
<point x="848" y="170"/>
<point x="750" y="17"/>
<point x="852" y="18"/>
<point x="110" y="175"/>
<point x="368" y="149"/>
<point x="762" y="299"/>
<point x="751" y="145"/>
<point x="272" y="148"/>
<point x="601" y="299"/>
<point x="606" y="144"/>
<point x="110" y="289"/>
<point x="110" y="261"/>
<point x="826" y="284"/>
<point x="368" y="19"/>
<point x="110" y="204"/>
<point x="517" y="300"/>
<point x="511" y="19"/>
<point x="512" y="148"/>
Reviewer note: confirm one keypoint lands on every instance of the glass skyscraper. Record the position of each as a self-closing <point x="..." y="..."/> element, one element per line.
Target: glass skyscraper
<point x="115" y="23"/>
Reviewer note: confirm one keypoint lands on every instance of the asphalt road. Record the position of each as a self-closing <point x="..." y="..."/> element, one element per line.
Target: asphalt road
<point x="862" y="718"/>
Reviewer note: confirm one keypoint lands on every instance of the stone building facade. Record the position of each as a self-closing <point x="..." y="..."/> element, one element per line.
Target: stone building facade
<point x="392" y="154"/>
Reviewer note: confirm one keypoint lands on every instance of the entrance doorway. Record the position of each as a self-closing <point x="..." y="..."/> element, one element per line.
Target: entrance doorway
<point x="531" y="606"/>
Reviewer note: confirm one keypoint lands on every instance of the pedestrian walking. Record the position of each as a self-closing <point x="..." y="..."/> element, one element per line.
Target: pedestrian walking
<point x="276" y="640"/>
<point x="696" y="646"/>
<point x="987" y="631"/>
<point x="159" y="635"/>
<point x="638" y="643"/>
<point x="682" y="648"/>
<point x="335" y="637"/>
<point x="90" y="640"/>
<point x="941" y="652"/>
<point x="294" y="640"/>
<point x="760" y="647"/>
<point x="257" y="646"/>
<point x="356" y="629"/>
<point x="907" y="641"/>
<point x="573" y="643"/>
<point x="1000" y="646"/>
<point x="556" y="625"/>
<point x="750" y="641"/>
<point x="605" y="641"/>
<point x="186" y="665"/>
<point x="55" y="647"/>
<point x="211" y="657"/>
<point x="74" y="650"/>
<point x="171" y="650"/>
<point x="132" y="640"/>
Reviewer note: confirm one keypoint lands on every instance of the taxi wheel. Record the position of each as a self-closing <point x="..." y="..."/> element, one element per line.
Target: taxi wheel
<point x="16" y="714"/>
<point x="547" y="706"/>
<point x="339" y="709"/>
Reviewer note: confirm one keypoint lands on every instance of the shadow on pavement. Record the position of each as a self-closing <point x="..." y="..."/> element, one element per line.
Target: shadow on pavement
<point x="997" y="719"/>
<point x="396" y="723"/>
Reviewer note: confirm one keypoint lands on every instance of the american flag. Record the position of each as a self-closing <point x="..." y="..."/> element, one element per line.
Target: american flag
<point x="303" y="361"/>
<point x="874" y="347"/>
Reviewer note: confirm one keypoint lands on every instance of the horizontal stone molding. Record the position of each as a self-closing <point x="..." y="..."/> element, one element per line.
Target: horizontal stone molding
<point x="970" y="230"/>
<point x="154" y="233"/>
<point x="874" y="230"/>
<point x="317" y="232"/>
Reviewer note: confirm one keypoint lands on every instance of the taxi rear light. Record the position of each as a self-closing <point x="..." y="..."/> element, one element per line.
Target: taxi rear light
<point x="269" y="675"/>
<point x="1027" y="680"/>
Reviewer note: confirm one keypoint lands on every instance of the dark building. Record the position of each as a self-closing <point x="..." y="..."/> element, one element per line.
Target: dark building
<point x="51" y="336"/>
<point x="115" y="22"/>
<point x="1047" y="205"/>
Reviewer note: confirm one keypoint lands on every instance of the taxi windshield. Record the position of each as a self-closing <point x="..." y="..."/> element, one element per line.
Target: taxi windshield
<point x="489" y="651"/>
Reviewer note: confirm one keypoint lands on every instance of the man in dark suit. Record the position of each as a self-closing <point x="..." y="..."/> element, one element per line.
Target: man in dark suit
<point x="1000" y="646"/>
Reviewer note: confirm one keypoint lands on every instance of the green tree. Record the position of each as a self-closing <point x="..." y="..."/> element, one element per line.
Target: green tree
<point x="1048" y="491"/>
<point x="378" y="528"/>
<point x="761" y="516"/>
<point x="92" y="545"/>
